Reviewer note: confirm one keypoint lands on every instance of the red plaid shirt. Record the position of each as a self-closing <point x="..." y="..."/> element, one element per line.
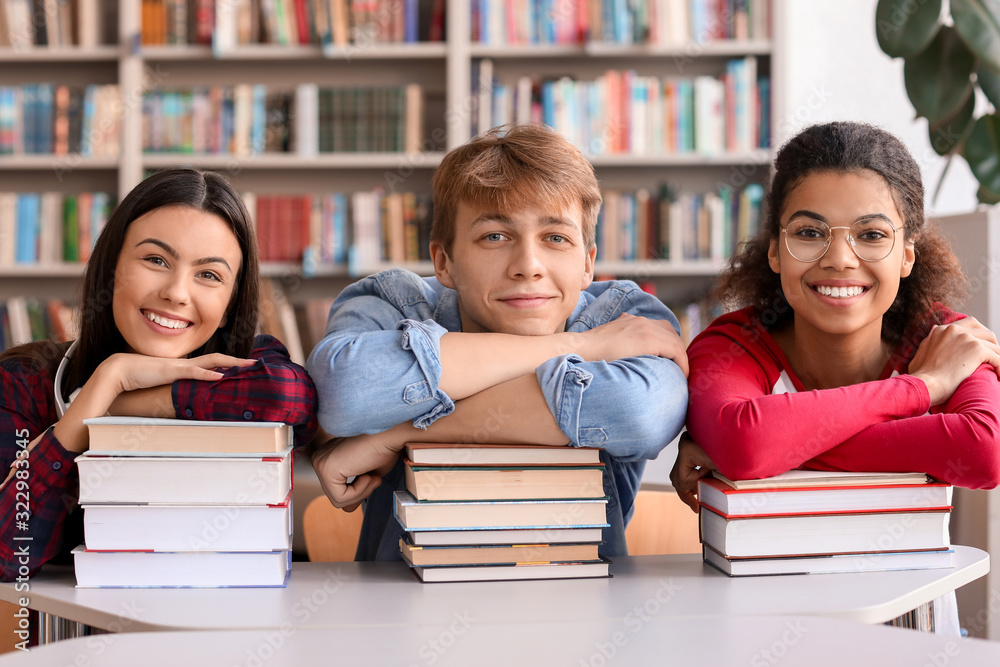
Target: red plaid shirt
<point x="39" y="518"/>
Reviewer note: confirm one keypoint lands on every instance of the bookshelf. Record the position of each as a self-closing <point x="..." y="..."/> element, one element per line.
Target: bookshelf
<point x="123" y="55"/>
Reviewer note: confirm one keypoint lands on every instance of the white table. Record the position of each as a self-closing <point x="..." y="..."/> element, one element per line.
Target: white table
<point x="756" y="640"/>
<point x="331" y="595"/>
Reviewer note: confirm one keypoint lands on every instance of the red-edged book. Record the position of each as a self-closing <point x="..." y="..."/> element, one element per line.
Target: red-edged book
<point x="823" y="498"/>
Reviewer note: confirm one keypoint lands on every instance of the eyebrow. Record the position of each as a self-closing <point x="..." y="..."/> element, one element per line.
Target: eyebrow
<point x="548" y="221"/>
<point x="173" y="253"/>
<point x="805" y="213"/>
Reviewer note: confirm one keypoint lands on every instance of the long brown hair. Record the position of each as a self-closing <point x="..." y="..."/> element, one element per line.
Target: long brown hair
<point x="99" y="336"/>
<point x="847" y="147"/>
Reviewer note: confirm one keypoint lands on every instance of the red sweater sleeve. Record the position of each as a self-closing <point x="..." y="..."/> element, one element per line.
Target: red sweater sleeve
<point x="958" y="443"/>
<point x="37" y="492"/>
<point x="273" y="389"/>
<point x="881" y="426"/>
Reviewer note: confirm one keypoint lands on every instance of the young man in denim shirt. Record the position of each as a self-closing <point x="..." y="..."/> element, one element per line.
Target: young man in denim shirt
<point x="511" y="342"/>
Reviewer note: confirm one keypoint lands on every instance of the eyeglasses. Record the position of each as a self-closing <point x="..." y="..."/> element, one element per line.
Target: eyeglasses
<point x="871" y="240"/>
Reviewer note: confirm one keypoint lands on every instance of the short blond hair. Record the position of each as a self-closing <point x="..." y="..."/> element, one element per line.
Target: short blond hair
<point x="512" y="167"/>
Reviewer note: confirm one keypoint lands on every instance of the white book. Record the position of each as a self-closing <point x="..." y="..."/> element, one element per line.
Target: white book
<point x="473" y="536"/>
<point x="50" y="238"/>
<point x="307" y="119"/>
<point x="175" y="480"/>
<point x="825" y="534"/>
<point x="864" y="562"/>
<point x="188" y="527"/>
<point x="8" y="225"/>
<point x="571" y="570"/>
<point x="88" y="30"/>
<point x="208" y="569"/>
<point x="224" y="35"/>
<point x="17" y="316"/>
<point x="485" y="120"/>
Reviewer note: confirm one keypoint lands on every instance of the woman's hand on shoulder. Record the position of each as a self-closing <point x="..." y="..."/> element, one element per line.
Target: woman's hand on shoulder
<point x="138" y="371"/>
<point x="952" y="352"/>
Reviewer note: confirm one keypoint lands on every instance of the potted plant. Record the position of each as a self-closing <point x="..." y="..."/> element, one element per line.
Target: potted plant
<point x="950" y="52"/>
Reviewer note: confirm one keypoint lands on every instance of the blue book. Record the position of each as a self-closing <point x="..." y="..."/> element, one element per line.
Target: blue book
<point x="548" y="104"/>
<point x="45" y="120"/>
<point x="29" y="209"/>
<point x="412" y="20"/>
<point x="89" y="122"/>
<point x="8" y="116"/>
<point x="764" y="94"/>
<point x="340" y="237"/>
<point x="29" y="113"/>
<point x="258" y="122"/>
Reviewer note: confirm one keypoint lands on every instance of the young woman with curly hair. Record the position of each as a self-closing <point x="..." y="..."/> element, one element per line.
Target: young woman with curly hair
<point x="845" y="353"/>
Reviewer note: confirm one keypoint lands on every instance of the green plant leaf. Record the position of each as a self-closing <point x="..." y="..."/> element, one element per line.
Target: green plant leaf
<point x="906" y="27"/>
<point x="978" y="22"/>
<point x="989" y="82"/>
<point x="950" y="132"/>
<point x="938" y="78"/>
<point x="982" y="151"/>
<point x="987" y="196"/>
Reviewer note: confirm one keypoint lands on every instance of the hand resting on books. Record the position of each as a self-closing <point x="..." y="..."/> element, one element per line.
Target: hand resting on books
<point x="951" y="353"/>
<point x="365" y="458"/>
<point x="691" y="465"/>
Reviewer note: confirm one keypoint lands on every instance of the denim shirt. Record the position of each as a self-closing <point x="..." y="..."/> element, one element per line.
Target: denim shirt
<point x="379" y="365"/>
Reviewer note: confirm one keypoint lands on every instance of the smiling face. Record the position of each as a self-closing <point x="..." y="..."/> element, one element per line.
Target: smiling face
<point x="174" y="280"/>
<point x="840" y="293"/>
<point x="516" y="272"/>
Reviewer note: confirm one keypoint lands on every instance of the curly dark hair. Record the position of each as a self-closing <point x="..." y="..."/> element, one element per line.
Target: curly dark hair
<point x="846" y="147"/>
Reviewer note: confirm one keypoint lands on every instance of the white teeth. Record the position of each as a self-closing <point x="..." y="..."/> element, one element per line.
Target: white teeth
<point x="164" y="322"/>
<point x="840" y="292"/>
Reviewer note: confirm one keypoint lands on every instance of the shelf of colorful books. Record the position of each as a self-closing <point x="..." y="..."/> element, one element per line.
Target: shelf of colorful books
<point x="428" y="160"/>
<point x="732" y="48"/>
<point x="347" y="52"/>
<point x="60" y="54"/>
<point x="267" y="52"/>
<point x="294" y="269"/>
<point x="48" y="270"/>
<point x="598" y="49"/>
<point x="692" y="159"/>
<point x="658" y="268"/>
<point x="57" y="163"/>
<point x="405" y="51"/>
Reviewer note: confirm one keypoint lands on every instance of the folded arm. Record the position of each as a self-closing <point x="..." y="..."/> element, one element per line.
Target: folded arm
<point x="749" y="432"/>
<point x="273" y="389"/>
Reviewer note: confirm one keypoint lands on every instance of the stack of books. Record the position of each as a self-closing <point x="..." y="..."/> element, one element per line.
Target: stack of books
<point x="807" y="521"/>
<point x="501" y="512"/>
<point x="174" y="503"/>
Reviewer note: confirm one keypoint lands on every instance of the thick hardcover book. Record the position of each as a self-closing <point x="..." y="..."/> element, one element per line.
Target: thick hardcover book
<point x="504" y="482"/>
<point x="812" y="534"/>
<point x="828" y="564"/>
<point x="206" y="569"/>
<point x="510" y="554"/>
<point x="719" y="496"/>
<point x="197" y="480"/>
<point x="799" y="478"/>
<point x="147" y="435"/>
<point x="470" y="537"/>
<point x="188" y="527"/>
<point x="429" y="453"/>
<point x="506" y="514"/>
<point x="571" y="570"/>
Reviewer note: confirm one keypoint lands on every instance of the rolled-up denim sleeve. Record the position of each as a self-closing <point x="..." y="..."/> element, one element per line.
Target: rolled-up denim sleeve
<point x="375" y="369"/>
<point x="630" y="407"/>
